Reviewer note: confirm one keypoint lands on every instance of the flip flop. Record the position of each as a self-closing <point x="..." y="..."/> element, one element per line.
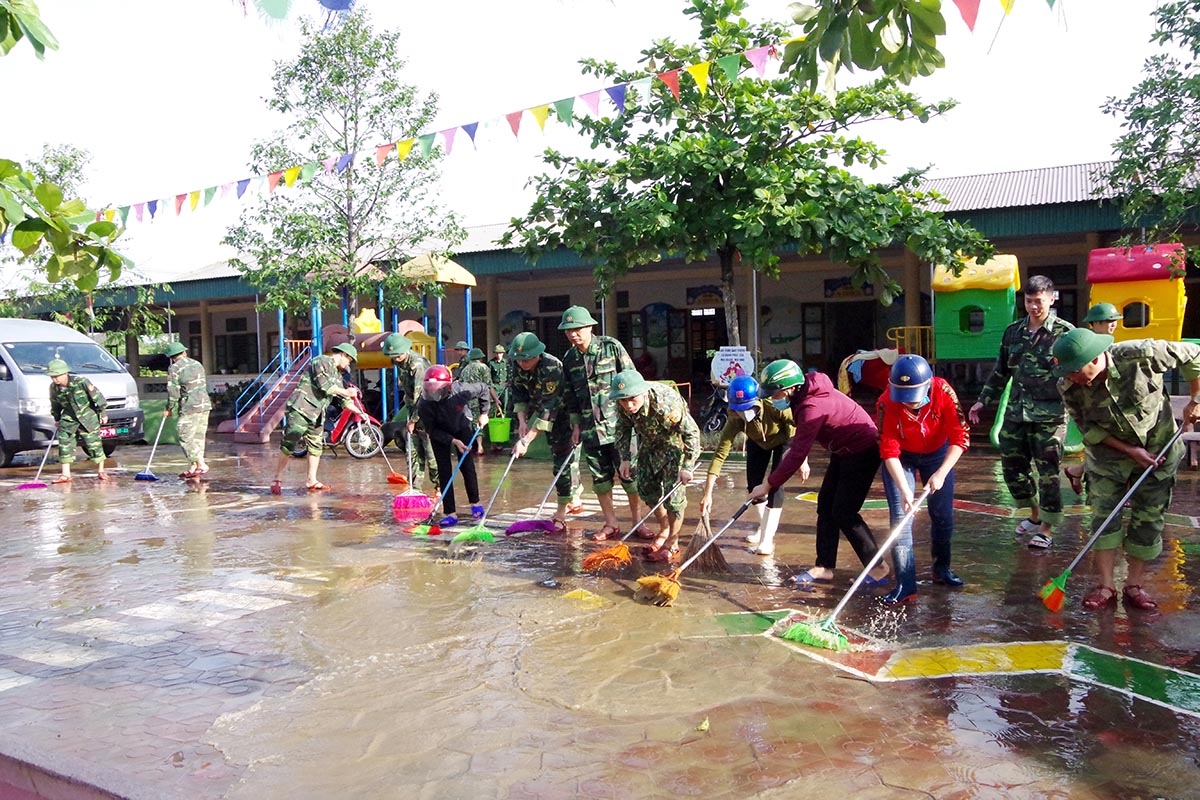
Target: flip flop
<point x="662" y="554"/>
<point x="606" y="533"/>
<point x="642" y="533"/>
<point x="104" y="477"/>
<point x="188" y="474"/>
<point x="560" y="526"/>
<point x="317" y="487"/>
<point x="62" y="479"/>
<point x="276" y="488"/>
<point x="806" y="579"/>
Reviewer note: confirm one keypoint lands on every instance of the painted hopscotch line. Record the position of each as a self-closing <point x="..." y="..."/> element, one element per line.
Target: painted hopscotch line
<point x="111" y="630"/>
<point x="11" y="680"/>
<point x="248" y="602"/>
<point x="269" y="585"/>
<point x="1164" y="686"/>
<point x="55" y="654"/>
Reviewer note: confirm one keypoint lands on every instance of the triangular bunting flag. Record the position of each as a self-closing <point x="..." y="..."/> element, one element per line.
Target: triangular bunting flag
<point x="403" y="148"/>
<point x="308" y="171"/>
<point x="540" y="113"/>
<point x="617" y="93"/>
<point x="381" y="152"/>
<point x="564" y="109"/>
<point x="124" y="212"/>
<point x="732" y="65"/>
<point x="329" y="164"/>
<point x="425" y="142"/>
<point x="194" y="199"/>
<point x="448" y="136"/>
<point x="138" y="210"/>
<point x="226" y="188"/>
<point x="241" y="187"/>
<point x="153" y="206"/>
<point x="699" y="73"/>
<point x="344" y="161"/>
<point x="273" y="180"/>
<point x="1007" y="5"/>
<point x="110" y="214"/>
<point x="758" y="57"/>
<point x="290" y="174"/>
<point x="209" y="194"/>
<point x="179" y="198"/>
<point x="593" y="102"/>
<point x="470" y="129"/>
<point x="671" y="79"/>
<point x="969" y="10"/>
<point x="641" y="87"/>
<point x="514" y="121"/>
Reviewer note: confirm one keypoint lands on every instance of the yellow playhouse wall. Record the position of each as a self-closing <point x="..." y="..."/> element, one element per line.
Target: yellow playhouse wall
<point x="1165" y="299"/>
<point x="375" y="359"/>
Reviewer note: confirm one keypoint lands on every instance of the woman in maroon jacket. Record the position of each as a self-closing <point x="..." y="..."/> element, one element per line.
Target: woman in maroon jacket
<point x="826" y="416"/>
<point x="922" y="430"/>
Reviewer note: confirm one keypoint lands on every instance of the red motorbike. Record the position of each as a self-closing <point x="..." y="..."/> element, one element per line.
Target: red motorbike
<point x="354" y="428"/>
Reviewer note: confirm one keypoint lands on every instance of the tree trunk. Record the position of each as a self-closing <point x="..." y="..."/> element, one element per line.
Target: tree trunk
<point x="729" y="296"/>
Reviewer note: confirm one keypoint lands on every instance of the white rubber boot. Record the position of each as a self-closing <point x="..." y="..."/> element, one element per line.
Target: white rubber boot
<point x="754" y="538"/>
<point x="770" y="524"/>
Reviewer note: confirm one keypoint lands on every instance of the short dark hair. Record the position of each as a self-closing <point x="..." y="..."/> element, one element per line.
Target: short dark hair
<point x="1038" y="284"/>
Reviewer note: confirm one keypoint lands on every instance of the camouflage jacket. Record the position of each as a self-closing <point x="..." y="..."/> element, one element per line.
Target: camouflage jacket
<point x="1130" y="404"/>
<point x="665" y="430"/>
<point x="411" y="375"/>
<point x="79" y="400"/>
<point x="538" y="393"/>
<point x="589" y="380"/>
<point x="312" y="395"/>
<point x="187" y="387"/>
<point x="1025" y="356"/>
<point x="475" y="372"/>
<point x="500" y="370"/>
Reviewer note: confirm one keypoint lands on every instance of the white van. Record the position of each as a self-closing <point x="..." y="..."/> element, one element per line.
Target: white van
<point x="26" y="347"/>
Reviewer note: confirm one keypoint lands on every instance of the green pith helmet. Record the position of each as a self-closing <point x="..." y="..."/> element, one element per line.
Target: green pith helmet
<point x="475" y="355"/>
<point x="628" y="383"/>
<point x="57" y="367"/>
<point x="526" y="346"/>
<point x="461" y="346"/>
<point x="576" y="317"/>
<point x="348" y="349"/>
<point x="396" y="344"/>
<point x="1102" y="312"/>
<point x="1077" y="348"/>
<point x="781" y="374"/>
<point x="174" y="349"/>
<point x="498" y="348"/>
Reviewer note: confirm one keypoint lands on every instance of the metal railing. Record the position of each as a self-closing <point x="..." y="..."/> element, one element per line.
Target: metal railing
<point x="914" y="339"/>
<point x="294" y="356"/>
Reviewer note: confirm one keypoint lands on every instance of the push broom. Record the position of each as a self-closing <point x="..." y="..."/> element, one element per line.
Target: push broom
<point x="148" y="475"/>
<point x="410" y="498"/>
<point x="826" y="633"/>
<point x="37" y="479"/>
<point x="1054" y="593"/>
<point x="661" y="590"/>
<point x="536" y="524"/>
<point x="427" y="528"/>
<point x="618" y="554"/>
<point x="479" y="532"/>
<point x="393" y="476"/>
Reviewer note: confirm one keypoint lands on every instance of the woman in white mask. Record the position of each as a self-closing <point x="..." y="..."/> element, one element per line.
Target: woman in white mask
<point x="768" y="430"/>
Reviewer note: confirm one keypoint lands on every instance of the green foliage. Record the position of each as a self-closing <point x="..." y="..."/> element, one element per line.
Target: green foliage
<point x="1158" y="152"/>
<point x="745" y="170"/>
<point x="342" y="94"/>
<point x="20" y="19"/>
<point x="117" y="310"/>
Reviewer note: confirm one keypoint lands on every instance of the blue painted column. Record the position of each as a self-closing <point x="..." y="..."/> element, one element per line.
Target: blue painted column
<point x="315" y="348"/>
<point x="284" y="359"/>
<point x="345" y="307"/>
<point x="470" y="337"/>
<point x="438" y="344"/>
<point x="383" y="372"/>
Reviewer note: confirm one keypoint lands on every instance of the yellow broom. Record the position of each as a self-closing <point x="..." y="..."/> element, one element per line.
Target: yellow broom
<point x="661" y="590"/>
<point x="618" y="555"/>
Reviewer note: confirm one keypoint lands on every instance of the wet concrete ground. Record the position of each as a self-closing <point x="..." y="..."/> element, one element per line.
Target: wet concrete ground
<point x="211" y="640"/>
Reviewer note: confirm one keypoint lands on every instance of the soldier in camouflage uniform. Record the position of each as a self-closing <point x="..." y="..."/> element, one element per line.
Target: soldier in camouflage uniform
<point x="187" y="398"/>
<point x="501" y="370"/>
<point x="410" y="372"/>
<point x="79" y="409"/>
<point x="456" y="357"/>
<point x="475" y="370"/>
<point x="319" y="384"/>
<point x="538" y="385"/>
<point x="668" y="442"/>
<point x="1114" y="392"/>
<point x="590" y="365"/>
<point x="1034" y="422"/>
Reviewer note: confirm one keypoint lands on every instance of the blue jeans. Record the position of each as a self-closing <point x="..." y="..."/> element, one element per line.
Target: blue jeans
<point x="940" y="503"/>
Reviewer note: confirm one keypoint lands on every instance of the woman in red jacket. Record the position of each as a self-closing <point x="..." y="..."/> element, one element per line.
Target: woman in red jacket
<point x="921" y="429"/>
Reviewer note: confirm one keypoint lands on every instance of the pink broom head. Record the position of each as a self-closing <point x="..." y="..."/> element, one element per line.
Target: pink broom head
<point x="418" y="500"/>
<point x="530" y="525"/>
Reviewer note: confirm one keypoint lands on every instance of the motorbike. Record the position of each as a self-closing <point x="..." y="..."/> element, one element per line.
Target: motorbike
<point x="353" y="428"/>
<point x="715" y="411"/>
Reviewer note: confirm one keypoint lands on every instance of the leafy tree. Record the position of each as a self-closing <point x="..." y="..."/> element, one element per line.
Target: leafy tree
<point x="744" y="169"/>
<point x="20" y="19"/>
<point x="1158" y="152"/>
<point x="116" y="310"/>
<point x="343" y="230"/>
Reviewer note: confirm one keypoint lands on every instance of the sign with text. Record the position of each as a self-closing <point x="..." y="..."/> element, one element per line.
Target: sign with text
<point x="729" y="362"/>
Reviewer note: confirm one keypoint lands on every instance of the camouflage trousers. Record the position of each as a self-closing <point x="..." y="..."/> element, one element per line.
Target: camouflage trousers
<point x="656" y="473"/>
<point x="603" y="462"/>
<point x="192" y="428"/>
<point x="1142" y="539"/>
<point x="421" y="458"/>
<point x="69" y="433"/>
<point x="301" y="429"/>
<point x="1028" y="446"/>
<point x="559" y="439"/>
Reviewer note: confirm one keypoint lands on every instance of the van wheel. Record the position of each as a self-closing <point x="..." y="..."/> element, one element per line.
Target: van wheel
<point x="109" y="447"/>
<point x="6" y="456"/>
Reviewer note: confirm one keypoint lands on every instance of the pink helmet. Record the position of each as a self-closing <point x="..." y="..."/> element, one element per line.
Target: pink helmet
<point x="436" y="385"/>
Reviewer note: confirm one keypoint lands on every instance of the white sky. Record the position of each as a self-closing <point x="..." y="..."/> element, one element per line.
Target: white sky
<point x="168" y="95"/>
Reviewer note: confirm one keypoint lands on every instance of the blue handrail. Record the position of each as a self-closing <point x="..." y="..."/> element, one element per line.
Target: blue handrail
<point x="266" y="380"/>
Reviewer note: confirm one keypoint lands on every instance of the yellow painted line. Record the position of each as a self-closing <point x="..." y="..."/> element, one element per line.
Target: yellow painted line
<point x="938" y="662"/>
<point x="585" y="598"/>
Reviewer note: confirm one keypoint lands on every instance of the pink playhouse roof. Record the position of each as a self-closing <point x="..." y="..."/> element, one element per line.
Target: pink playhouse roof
<point x="1137" y="263"/>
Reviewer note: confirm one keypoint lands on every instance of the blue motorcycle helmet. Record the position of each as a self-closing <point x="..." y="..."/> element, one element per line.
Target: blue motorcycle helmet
<point x="910" y="380"/>
<point x="743" y="392"/>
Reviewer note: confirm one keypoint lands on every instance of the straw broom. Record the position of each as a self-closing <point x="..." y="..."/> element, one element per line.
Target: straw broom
<point x="711" y="560"/>
<point x="618" y="554"/>
<point x="662" y="590"/>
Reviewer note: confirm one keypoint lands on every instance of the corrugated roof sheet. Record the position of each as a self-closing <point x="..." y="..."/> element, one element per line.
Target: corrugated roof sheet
<point x="1076" y="183"/>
